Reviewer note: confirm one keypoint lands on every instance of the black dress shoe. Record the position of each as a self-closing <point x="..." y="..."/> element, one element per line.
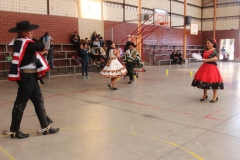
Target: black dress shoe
<point x="41" y="81"/>
<point x="130" y="82"/>
<point x="114" y="88"/>
<point x="19" y="135"/>
<point x="51" y="131"/>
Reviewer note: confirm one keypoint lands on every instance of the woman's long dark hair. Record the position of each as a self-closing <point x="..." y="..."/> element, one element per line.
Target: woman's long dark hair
<point x="214" y="42"/>
<point x="109" y="47"/>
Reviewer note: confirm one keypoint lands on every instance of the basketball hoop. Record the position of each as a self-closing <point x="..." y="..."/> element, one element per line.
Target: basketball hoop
<point x="165" y="24"/>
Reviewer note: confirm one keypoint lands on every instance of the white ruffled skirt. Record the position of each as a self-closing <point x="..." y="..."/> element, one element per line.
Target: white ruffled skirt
<point x="113" y="69"/>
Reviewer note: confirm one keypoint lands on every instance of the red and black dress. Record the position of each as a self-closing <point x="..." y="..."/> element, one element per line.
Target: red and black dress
<point x="208" y="76"/>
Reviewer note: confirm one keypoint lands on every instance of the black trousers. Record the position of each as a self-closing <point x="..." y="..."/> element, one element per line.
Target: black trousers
<point x="75" y="46"/>
<point x="28" y="88"/>
<point x="130" y="67"/>
<point x="175" y="60"/>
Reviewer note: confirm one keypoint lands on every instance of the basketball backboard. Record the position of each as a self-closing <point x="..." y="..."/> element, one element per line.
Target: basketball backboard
<point x="194" y="29"/>
<point x="160" y="18"/>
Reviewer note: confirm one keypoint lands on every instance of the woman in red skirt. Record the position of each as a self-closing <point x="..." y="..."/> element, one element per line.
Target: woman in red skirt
<point x="208" y="76"/>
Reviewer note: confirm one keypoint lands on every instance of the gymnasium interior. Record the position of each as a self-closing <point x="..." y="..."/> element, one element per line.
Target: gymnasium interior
<point x="158" y="116"/>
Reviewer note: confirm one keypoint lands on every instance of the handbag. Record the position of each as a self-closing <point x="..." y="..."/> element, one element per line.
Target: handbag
<point x="8" y="58"/>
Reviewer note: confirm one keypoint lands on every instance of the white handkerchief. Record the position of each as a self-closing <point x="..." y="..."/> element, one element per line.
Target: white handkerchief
<point x="197" y="56"/>
<point x="12" y="42"/>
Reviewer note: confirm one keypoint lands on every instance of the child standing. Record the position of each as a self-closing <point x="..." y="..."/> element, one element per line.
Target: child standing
<point x="85" y="59"/>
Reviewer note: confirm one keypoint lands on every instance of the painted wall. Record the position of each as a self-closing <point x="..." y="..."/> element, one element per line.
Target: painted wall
<point x="225" y="34"/>
<point x="87" y="26"/>
<point x="227" y="17"/>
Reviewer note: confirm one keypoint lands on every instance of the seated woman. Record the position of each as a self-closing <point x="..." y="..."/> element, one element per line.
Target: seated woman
<point x="95" y="55"/>
<point x="176" y="56"/>
<point x="103" y="51"/>
<point x="179" y="57"/>
<point x="103" y="56"/>
<point x="173" y="56"/>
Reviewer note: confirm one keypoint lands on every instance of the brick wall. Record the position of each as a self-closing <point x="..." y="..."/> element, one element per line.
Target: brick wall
<point x="159" y="36"/>
<point x="60" y="28"/>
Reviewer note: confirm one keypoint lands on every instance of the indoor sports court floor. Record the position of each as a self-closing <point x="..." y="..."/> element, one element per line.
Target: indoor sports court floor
<point x="158" y="117"/>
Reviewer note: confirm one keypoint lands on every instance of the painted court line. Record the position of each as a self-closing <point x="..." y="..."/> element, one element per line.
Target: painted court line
<point x="153" y="138"/>
<point x="131" y="102"/>
<point x="6" y="153"/>
<point x="218" y="111"/>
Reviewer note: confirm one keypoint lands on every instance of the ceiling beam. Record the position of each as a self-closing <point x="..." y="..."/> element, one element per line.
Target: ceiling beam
<point x="208" y="2"/>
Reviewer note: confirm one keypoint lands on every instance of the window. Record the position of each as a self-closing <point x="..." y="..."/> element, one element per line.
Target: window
<point x="91" y="9"/>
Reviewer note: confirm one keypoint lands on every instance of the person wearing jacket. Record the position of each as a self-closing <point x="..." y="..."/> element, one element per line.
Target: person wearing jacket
<point x="75" y="40"/>
<point x="27" y="67"/>
<point x="85" y="59"/>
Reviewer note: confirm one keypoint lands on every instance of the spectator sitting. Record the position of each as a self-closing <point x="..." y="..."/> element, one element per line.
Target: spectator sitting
<point x="175" y="56"/>
<point x="101" y="40"/>
<point x="95" y="54"/>
<point x="88" y="42"/>
<point x="179" y="55"/>
<point x="103" y="51"/>
<point x="97" y="42"/>
<point x="98" y="36"/>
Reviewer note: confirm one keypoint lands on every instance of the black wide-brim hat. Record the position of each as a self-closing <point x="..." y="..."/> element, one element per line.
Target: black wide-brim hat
<point x="23" y="26"/>
<point x="131" y="44"/>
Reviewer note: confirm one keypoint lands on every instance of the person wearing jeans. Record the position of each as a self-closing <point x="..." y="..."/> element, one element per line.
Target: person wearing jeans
<point x="85" y="59"/>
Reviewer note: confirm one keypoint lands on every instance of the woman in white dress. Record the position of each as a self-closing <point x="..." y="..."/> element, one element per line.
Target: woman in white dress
<point x="113" y="68"/>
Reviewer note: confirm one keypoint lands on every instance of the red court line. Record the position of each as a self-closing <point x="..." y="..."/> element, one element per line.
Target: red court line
<point x="210" y="115"/>
<point x="141" y="104"/>
<point x="146" y="105"/>
<point x="54" y="95"/>
<point x="9" y="93"/>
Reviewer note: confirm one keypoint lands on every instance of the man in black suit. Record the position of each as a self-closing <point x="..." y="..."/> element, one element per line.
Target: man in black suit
<point x="26" y="68"/>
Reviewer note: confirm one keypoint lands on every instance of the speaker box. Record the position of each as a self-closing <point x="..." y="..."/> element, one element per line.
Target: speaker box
<point x="187" y="20"/>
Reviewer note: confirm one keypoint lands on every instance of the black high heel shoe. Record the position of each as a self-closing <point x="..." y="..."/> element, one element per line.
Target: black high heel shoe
<point x="212" y="101"/>
<point x="203" y="99"/>
<point x="110" y="87"/>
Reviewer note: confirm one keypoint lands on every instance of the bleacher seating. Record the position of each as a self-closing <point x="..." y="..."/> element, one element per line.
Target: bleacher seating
<point x="63" y="60"/>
